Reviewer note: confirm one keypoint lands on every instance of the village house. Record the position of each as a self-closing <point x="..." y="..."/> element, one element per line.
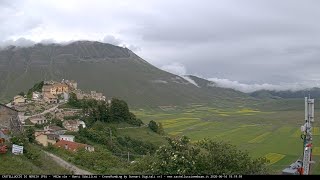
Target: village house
<point x="38" y="120"/>
<point x="73" y="85"/>
<point x="9" y="119"/>
<point x="73" y="146"/>
<point x="97" y="96"/>
<point x="53" y="129"/>
<point x="49" y="82"/>
<point x="19" y="100"/>
<point x="49" y="98"/>
<point x="47" y="88"/>
<point x="66" y="137"/>
<point x="36" y="96"/>
<point x="73" y="125"/>
<point x="60" y="88"/>
<point x="80" y="94"/>
<point x="45" y="139"/>
<point x="56" y="88"/>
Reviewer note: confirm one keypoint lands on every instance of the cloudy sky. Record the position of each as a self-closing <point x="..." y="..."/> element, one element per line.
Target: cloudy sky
<point x="245" y="44"/>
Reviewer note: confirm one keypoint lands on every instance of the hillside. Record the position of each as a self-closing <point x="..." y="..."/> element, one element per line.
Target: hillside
<point x="314" y="93"/>
<point x="43" y="164"/>
<point x="112" y="70"/>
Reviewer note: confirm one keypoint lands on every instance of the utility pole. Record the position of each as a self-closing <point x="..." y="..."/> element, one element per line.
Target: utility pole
<point x="110" y="133"/>
<point x="128" y="156"/>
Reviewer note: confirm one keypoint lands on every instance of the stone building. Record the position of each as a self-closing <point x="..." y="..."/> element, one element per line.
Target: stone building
<point x="9" y="119"/>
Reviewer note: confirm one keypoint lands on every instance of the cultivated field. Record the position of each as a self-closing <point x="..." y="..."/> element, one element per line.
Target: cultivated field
<point x="269" y="133"/>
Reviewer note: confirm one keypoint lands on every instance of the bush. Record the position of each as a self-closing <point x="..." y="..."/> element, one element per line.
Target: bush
<point x="153" y="126"/>
<point x="205" y="157"/>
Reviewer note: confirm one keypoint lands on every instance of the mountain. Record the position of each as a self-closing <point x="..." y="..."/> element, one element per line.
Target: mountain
<point x="112" y="70"/>
<point x="314" y="93"/>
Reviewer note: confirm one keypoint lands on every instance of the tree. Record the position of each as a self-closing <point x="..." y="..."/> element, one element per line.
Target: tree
<point x="73" y="100"/>
<point x="224" y="158"/>
<point x="134" y="120"/>
<point x="21" y="93"/>
<point x="156" y="127"/>
<point x="36" y="87"/>
<point x="57" y="122"/>
<point x="179" y="157"/>
<point x="153" y="126"/>
<point x="30" y="134"/>
<point x="204" y="157"/>
<point x="119" y="110"/>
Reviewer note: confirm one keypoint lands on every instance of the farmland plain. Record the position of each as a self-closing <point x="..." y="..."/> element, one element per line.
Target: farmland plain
<point x="260" y="130"/>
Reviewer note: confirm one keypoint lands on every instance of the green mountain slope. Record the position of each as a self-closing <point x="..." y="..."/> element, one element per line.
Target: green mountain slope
<point x="115" y="71"/>
<point x="314" y="93"/>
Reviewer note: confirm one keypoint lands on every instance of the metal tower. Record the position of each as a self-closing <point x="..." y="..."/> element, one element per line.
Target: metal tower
<point x="306" y="129"/>
<point x="302" y="167"/>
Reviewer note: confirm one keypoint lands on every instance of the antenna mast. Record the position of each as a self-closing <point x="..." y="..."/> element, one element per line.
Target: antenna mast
<point x="302" y="167"/>
<point x="307" y="135"/>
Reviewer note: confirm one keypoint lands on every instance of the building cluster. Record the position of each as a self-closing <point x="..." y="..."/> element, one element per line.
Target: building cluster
<point x="54" y="92"/>
<point x="14" y="114"/>
<point x="51" y="92"/>
<point x="55" y="136"/>
<point x="92" y="95"/>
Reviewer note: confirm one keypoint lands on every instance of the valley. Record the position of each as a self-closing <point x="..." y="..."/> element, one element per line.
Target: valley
<point x="274" y="134"/>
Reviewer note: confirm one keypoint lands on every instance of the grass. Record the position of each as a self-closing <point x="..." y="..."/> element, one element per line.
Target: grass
<point x="19" y="164"/>
<point x="274" y="157"/>
<point x="260" y="138"/>
<point x="269" y="129"/>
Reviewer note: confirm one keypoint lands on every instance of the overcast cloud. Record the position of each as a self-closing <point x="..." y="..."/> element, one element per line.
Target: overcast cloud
<point x="244" y="44"/>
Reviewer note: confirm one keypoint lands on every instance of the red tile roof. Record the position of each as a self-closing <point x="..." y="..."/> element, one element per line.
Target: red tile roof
<point x="72" y="146"/>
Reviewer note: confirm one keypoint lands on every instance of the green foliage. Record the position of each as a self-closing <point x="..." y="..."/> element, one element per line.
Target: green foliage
<point x="205" y="157"/>
<point x="156" y="127"/>
<point x="133" y="120"/>
<point x="143" y="165"/>
<point x="57" y="122"/>
<point x="153" y="126"/>
<point x="32" y="153"/>
<point x="19" y="139"/>
<point x="30" y="134"/>
<point x="100" y="161"/>
<point x="119" y="110"/>
<point x="71" y="117"/>
<point x="21" y="93"/>
<point x="73" y="100"/>
<point x="48" y="115"/>
<point x="224" y="158"/>
<point x="36" y="87"/>
<point x="33" y="161"/>
<point x="137" y="146"/>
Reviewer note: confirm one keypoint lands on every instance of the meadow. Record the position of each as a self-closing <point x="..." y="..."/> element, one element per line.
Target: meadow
<point x="262" y="131"/>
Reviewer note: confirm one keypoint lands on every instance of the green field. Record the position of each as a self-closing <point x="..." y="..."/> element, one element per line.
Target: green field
<point x="261" y="131"/>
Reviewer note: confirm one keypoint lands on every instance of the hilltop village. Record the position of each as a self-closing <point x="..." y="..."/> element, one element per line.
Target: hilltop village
<point x="45" y="108"/>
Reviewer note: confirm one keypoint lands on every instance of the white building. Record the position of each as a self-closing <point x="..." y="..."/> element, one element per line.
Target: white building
<point x="36" y="95"/>
<point x="83" y="124"/>
<point x="38" y="120"/>
<point x="66" y="97"/>
<point x="66" y="138"/>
